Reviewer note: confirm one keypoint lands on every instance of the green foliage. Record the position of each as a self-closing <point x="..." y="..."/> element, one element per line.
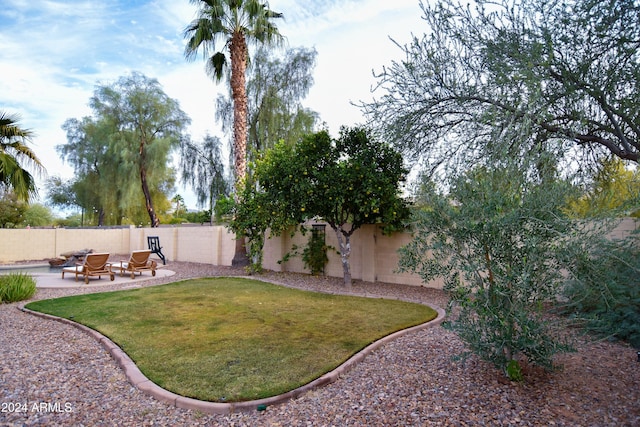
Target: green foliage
<point x="16" y="287"/>
<point x="254" y="214"/>
<point x="175" y="220"/>
<point x="347" y="182"/>
<point x="198" y="217"/>
<point x="614" y="188"/>
<point x="201" y="167"/>
<point x="314" y="255"/>
<point x="603" y="290"/>
<point x="38" y="215"/>
<point x="74" y="220"/>
<point x="224" y="208"/>
<point x="16" y="157"/>
<point x="569" y="69"/>
<point x="497" y="241"/>
<point x="218" y="22"/>
<point x="276" y="85"/>
<point x="12" y="211"/>
<point x="121" y="155"/>
<point x="514" y="372"/>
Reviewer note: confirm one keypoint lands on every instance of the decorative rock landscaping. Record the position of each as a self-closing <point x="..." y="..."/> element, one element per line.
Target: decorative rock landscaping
<point x="54" y="374"/>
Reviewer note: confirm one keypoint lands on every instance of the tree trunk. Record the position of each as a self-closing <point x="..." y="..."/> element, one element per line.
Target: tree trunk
<point x="101" y="217"/>
<point x="155" y="222"/>
<point x="344" y="241"/>
<point x="238" y="53"/>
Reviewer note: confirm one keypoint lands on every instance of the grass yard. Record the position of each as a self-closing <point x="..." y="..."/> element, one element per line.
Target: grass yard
<point x="234" y="339"/>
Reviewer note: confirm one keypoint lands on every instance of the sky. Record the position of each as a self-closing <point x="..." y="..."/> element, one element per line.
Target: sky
<point x="55" y="52"/>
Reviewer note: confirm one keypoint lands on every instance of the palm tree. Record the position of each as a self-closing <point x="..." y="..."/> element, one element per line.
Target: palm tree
<point x="179" y="201"/>
<point x="13" y="155"/>
<point x="234" y="23"/>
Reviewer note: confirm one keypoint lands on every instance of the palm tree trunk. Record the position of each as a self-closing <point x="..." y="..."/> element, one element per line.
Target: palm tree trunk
<point x="238" y="53"/>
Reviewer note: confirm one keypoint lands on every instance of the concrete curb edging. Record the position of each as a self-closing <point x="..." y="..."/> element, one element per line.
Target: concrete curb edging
<point x="140" y="381"/>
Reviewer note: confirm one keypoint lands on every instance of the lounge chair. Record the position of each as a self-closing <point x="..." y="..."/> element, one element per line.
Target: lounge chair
<point x="94" y="264"/>
<point x="138" y="262"/>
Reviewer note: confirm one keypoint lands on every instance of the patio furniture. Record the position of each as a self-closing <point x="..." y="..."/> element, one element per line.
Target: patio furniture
<point x="154" y="246"/>
<point x="138" y="262"/>
<point x="94" y="264"/>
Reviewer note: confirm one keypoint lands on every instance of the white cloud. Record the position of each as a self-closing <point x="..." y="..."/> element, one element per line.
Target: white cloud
<point x="55" y="52"/>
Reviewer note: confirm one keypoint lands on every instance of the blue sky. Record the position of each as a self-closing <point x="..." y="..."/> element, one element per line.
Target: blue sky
<point x="54" y="53"/>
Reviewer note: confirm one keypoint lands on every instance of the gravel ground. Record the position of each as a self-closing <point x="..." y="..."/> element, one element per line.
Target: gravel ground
<point x="53" y="374"/>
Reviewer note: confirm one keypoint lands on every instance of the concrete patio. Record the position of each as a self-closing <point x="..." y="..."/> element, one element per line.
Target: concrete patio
<point x="55" y="280"/>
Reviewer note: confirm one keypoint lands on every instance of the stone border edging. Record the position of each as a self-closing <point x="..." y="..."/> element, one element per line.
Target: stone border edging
<point x="139" y="380"/>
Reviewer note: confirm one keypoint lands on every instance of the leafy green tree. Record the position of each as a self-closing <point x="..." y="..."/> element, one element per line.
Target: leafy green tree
<point x="253" y="214"/>
<point x="60" y="193"/>
<point x="16" y="157"/>
<point x="234" y="24"/>
<point x="570" y="70"/>
<point x="148" y="125"/>
<point x="498" y="240"/>
<point x="275" y="88"/>
<point x="202" y="167"/>
<point x="38" y="215"/>
<point x="12" y="210"/>
<point x="198" y="217"/>
<point x="121" y="156"/>
<point x="87" y="149"/>
<point x="81" y="192"/>
<point x="614" y="188"/>
<point x="348" y="182"/>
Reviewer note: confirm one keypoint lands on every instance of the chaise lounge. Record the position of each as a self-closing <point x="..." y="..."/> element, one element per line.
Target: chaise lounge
<point x="94" y="264"/>
<point x="138" y="262"/>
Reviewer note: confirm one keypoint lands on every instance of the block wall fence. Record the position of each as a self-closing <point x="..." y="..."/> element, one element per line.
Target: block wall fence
<point x="374" y="256"/>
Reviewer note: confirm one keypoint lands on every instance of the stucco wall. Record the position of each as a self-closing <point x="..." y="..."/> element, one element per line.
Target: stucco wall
<point x="374" y="256"/>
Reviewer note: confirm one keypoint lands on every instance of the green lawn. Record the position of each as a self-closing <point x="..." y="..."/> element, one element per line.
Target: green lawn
<point x="235" y="339"/>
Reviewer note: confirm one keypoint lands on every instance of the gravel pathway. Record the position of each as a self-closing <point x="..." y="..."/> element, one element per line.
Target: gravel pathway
<point x="53" y="374"/>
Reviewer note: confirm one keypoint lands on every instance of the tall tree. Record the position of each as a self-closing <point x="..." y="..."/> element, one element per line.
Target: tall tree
<point x="234" y="23"/>
<point x="121" y="154"/>
<point x="147" y="126"/>
<point x="82" y="192"/>
<point x="87" y="149"/>
<point x="569" y="69"/>
<point x="16" y="157"/>
<point x="202" y="167"/>
<point x="276" y="86"/>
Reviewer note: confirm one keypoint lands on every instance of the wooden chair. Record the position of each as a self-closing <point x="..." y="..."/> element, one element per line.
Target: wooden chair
<point x="154" y="246"/>
<point x="94" y="264"/>
<point x="138" y="262"/>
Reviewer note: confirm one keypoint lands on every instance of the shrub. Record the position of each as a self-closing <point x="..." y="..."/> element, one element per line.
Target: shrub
<point x="314" y="255"/>
<point x="16" y="287"/>
<point x="496" y="240"/>
<point x="603" y="291"/>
